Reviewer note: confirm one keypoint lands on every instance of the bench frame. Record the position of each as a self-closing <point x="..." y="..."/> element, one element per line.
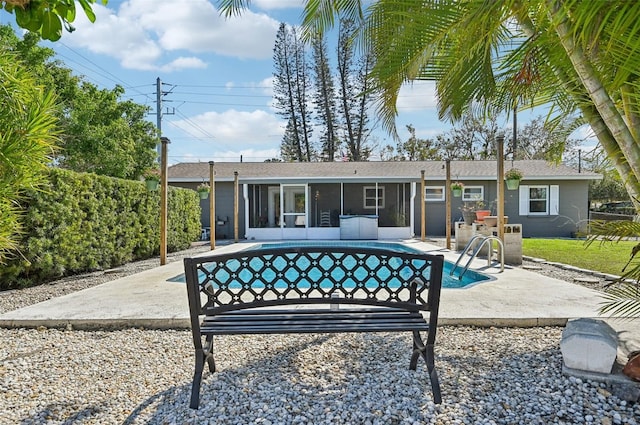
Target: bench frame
<point x="244" y="292"/>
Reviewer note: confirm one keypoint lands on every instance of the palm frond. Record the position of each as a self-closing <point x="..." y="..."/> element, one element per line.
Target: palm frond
<point x="622" y="300"/>
<point x="614" y="230"/>
<point x="233" y="7"/>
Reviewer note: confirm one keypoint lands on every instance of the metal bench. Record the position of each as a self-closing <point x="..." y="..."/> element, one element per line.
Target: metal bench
<point x="313" y="290"/>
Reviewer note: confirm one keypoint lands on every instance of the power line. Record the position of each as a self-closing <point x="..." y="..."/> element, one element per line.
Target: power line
<point x="194" y="125"/>
<point x="223" y="94"/>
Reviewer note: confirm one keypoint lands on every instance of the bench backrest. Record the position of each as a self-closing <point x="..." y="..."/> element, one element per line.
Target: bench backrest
<point x="311" y="275"/>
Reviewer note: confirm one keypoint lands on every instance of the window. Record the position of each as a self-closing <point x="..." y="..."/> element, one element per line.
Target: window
<point x="370" y="197"/>
<point x="539" y="200"/>
<point x="434" y="193"/>
<point x="473" y="193"/>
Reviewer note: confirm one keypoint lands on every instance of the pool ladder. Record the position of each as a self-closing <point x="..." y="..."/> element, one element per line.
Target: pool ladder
<point x="484" y="241"/>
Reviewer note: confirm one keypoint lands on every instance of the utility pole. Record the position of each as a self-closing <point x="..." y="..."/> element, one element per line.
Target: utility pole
<point x="159" y="114"/>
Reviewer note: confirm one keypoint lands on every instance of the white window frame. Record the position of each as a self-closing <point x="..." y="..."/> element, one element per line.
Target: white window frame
<point x="379" y="197"/>
<point x="433" y="188"/>
<point x="552" y="200"/>
<point x="466" y="196"/>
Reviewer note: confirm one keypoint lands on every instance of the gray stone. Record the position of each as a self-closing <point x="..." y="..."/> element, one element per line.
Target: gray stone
<point x="626" y="391"/>
<point x="586" y="279"/>
<point x="590" y="345"/>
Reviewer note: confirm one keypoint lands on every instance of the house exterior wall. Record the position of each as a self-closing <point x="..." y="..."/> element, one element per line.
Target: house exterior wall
<point x="573" y="209"/>
<point x="572" y="212"/>
<point x="224" y="209"/>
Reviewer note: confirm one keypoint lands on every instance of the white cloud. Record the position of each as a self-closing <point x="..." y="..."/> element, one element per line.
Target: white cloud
<point x="248" y="155"/>
<point x="586" y="135"/>
<point x="184" y="63"/>
<point x="140" y="36"/>
<point x="277" y="4"/>
<point x="417" y="96"/>
<point x="255" y="130"/>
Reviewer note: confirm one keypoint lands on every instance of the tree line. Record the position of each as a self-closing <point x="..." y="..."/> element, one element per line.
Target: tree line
<point x="315" y="98"/>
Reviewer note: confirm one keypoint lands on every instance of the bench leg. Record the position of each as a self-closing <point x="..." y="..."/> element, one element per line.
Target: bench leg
<point x="426" y="352"/>
<point x="202" y="355"/>
<point x="197" y="379"/>
<point x="209" y="354"/>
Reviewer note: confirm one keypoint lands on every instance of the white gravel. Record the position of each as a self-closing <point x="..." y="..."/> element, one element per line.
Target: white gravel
<point x="135" y="376"/>
<point x="488" y="376"/>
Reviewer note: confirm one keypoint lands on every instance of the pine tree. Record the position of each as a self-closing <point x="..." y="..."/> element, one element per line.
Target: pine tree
<point x="291" y="84"/>
<point x="324" y="99"/>
<point x="355" y="99"/>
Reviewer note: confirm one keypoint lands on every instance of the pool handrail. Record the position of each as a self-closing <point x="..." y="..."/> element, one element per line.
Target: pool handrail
<point x="484" y="240"/>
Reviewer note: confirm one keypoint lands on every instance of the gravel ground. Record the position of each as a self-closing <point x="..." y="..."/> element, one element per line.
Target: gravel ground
<point x="135" y="376"/>
<point x="488" y="376"/>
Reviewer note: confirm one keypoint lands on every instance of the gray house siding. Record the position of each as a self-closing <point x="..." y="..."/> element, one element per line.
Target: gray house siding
<point x="566" y="185"/>
<point x="224" y="209"/>
<point x="573" y="198"/>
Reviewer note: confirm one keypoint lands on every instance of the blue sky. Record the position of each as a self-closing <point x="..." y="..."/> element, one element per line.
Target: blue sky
<point x="217" y="72"/>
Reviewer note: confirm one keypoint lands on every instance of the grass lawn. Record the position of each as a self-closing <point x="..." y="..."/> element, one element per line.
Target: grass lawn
<point x="607" y="258"/>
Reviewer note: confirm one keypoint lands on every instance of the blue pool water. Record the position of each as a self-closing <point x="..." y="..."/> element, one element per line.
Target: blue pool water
<point x="470" y="277"/>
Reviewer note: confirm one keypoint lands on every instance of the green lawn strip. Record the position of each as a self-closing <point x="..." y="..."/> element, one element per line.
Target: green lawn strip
<point x="607" y="258"/>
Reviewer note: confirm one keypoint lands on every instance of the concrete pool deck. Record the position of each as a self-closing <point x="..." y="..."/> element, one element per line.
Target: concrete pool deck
<point x="515" y="297"/>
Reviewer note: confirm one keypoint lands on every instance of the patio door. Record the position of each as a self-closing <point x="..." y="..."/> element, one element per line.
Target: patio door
<point x="288" y="207"/>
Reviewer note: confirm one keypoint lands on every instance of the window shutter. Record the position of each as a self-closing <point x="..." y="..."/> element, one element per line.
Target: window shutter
<point x="554" y="199"/>
<point x="524" y="200"/>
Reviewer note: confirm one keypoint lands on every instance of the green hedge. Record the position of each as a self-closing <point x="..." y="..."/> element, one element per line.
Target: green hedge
<point x="81" y="222"/>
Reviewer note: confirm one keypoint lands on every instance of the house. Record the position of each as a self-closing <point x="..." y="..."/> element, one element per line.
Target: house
<point x="279" y="200"/>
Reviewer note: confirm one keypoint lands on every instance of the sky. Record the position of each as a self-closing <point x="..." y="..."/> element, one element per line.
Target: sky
<point x="215" y="73"/>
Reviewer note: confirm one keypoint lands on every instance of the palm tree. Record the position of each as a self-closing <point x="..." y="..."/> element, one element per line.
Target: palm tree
<point x="27" y="141"/>
<point x="488" y="57"/>
<point x="47" y="18"/>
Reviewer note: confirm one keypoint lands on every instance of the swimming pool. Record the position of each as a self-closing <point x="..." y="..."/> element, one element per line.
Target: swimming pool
<point x="470" y="277"/>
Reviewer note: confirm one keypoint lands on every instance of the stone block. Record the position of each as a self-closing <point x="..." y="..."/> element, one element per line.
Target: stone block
<point x="589" y="345"/>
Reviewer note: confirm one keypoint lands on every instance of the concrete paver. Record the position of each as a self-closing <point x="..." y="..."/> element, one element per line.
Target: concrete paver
<point x="515" y="297"/>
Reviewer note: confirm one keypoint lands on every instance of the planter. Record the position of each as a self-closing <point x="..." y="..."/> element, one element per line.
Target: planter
<point x="469" y="217"/>
<point x="492" y="220"/>
<point x="481" y="214"/>
<point x="513" y="184"/>
<point x="457" y="192"/>
<point x="152" y="184"/>
<point x="203" y="194"/>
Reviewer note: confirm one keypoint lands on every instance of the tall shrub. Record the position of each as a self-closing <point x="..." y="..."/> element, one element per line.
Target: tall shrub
<point x="81" y="222"/>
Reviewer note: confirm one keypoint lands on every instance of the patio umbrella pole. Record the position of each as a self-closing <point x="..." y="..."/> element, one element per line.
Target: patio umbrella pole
<point x="423" y="214"/>
<point x="163" y="201"/>
<point x="500" y="180"/>
<point x="447" y="195"/>
<point x="212" y="206"/>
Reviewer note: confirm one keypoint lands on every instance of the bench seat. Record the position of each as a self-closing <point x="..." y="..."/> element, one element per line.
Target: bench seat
<point x="267" y="321"/>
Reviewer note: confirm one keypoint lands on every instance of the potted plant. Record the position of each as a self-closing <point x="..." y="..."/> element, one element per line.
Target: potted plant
<point x="456" y="188"/>
<point x="203" y="190"/>
<point x="480" y="210"/>
<point x="513" y="177"/>
<point x="152" y="178"/>
<point x="468" y="211"/>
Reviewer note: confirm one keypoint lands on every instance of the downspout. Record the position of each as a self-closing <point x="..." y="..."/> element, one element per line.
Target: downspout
<point x="245" y="196"/>
<point x="412" y="210"/>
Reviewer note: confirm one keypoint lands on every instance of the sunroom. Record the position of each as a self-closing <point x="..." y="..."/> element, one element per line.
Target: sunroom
<point x="329" y="210"/>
